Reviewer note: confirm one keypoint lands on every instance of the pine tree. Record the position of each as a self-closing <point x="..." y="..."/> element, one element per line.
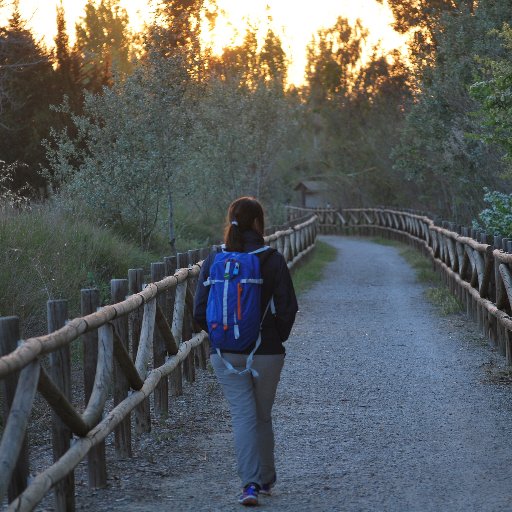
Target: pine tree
<point x="67" y="64"/>
<point x="28" y="88"/>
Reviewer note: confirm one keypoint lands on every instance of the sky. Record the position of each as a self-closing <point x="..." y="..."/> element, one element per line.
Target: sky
<point x="294" y="20"/>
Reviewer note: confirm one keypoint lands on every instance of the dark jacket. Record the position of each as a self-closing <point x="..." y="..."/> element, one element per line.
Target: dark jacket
<point x="277" y="282"/>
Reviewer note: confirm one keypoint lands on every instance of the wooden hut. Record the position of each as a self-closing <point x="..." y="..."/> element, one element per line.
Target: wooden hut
<point x="312" y="194"/>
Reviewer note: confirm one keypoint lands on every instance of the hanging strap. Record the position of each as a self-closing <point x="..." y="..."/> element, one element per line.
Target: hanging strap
<point x="250" y="358"/>
<point x="209" y="281"/>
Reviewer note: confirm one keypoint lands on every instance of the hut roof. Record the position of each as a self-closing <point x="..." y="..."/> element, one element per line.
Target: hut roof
<point x="312" y="186"/>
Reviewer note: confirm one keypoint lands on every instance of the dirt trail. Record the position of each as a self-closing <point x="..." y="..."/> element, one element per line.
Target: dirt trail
<point x="383" y="406"/>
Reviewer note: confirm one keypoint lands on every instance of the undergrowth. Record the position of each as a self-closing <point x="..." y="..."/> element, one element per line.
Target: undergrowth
<point x="311" y="270"/>
<point x="436" y="292"/>
<point x="45" y="255"/>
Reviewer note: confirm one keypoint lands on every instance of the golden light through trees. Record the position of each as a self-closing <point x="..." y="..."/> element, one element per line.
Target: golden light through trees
<point x="295" y="21"/>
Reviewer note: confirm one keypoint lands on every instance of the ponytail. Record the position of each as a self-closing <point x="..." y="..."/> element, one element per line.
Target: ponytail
<point x="244" y="214"/>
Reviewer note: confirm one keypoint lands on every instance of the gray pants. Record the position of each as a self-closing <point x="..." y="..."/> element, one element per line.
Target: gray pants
<point x="250" y="400"/>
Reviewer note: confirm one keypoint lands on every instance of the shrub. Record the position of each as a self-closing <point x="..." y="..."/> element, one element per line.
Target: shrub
<point x="497" y="217"/>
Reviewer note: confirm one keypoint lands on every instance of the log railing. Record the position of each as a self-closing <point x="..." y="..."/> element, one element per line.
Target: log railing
<point x="475" y="266"/>
<point x="327" y="217"/>
<point x="133" y="349"/>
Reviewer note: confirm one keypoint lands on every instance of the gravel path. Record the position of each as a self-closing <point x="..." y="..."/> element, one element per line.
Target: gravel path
<point x="383" y="406"/>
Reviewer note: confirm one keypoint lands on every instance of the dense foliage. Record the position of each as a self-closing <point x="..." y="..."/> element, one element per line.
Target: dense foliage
<point x="496" y="218"/>
<point x="152" y="127"/>
<point x="145" y="138"/>
<point x="495" y="95"/>
<point x="437" y="150"/>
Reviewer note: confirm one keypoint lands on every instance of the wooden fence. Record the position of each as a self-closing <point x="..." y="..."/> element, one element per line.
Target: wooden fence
<point x="327" y="217"/>
<point x="475" y="266"/>
<point x="132" y="350"/>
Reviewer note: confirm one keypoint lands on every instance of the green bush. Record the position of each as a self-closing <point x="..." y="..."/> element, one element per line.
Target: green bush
<point x="497" y="217"/>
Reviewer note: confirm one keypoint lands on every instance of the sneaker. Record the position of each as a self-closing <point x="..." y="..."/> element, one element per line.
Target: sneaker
<point x="266" y="489"/>
<point x="249" y="495"/>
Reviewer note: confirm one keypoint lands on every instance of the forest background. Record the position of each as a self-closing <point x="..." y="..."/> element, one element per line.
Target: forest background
<point x="123" y="147"/>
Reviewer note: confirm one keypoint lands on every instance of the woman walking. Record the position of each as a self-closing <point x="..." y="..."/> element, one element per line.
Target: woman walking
<point x="248" y="361"/>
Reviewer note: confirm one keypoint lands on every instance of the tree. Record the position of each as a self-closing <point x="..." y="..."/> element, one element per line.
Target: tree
<point x="273" y="61"/>
<point x="435" y="151"/>
<point x="103" y="43"/>
<point x="27" y="88"/>
<point x="179" y="23"/>
<point x="174" y="38"/>
<point x="67" y="64"/>
<point x="334" y="55"/>
<point x="10" y="196"/>
<point x="411" y="14"/>
<point x="177" y="31"/>
<point x="423" y="20"/>
<point x="118" y="168"/>
<point x="494" y="94"/>
<point x="242" y="135"/>
<point x="355" y="110"/>
<point x="244" y="125"/>
<point x="250" y="64"/>
<point x="496" y="218"/>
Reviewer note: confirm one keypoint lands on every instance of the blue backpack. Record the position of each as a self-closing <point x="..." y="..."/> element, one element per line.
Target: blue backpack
<point x="233" y="312"/>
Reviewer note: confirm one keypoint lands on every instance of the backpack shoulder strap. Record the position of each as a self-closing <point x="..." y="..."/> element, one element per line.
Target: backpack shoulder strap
<point x="263" y="256"/>
<point x="264" y="253"/>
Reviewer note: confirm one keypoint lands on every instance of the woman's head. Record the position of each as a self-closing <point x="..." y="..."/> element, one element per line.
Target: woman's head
<point x="243" y="214"/>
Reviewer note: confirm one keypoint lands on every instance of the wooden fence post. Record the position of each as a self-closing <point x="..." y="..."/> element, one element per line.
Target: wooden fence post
<point x="96" y="462"/>
<point x="123" y="432"/>
<point x="9" y="336"/>
<point x="60" y="372"/>
<point x="176" y="377"/>
<point x="195" y="257"/>
<point x="301" y="240"/>
<point x="293" y="244"/>
<point x="186" y="332"/>
<point x="287" y="249"/>
<point x="204" y="347"/>
<point x="280" y="244"/>
<point x="204" y="253"/>
<point x="179" y="310"/>
<point x="142" y="418"/>
<point x="161" y="393"/>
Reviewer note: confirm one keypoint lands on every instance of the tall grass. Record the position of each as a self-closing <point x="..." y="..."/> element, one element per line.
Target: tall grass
<point x="47" y="256"/>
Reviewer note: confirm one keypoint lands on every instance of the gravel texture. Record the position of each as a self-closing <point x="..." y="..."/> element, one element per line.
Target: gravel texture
<point x="383" y="406"/>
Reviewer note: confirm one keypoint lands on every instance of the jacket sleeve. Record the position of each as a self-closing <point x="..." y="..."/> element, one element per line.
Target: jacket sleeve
<point x="201" y="296"/>
<point x="285" y="301"/>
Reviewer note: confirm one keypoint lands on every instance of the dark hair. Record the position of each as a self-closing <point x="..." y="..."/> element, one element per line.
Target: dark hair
<point x="243" y="214"/>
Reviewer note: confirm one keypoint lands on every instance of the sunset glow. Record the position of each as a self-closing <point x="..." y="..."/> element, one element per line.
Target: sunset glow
<point x="295" y="21"/>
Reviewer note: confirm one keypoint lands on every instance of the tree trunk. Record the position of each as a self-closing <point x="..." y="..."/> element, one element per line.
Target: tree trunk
<point x="172" y="233"/>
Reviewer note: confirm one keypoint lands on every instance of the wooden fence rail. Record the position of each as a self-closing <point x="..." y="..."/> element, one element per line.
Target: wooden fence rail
<point x="475" y="266"/>
<point x="327" y="217"/>
<point x="132" y="350"/>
